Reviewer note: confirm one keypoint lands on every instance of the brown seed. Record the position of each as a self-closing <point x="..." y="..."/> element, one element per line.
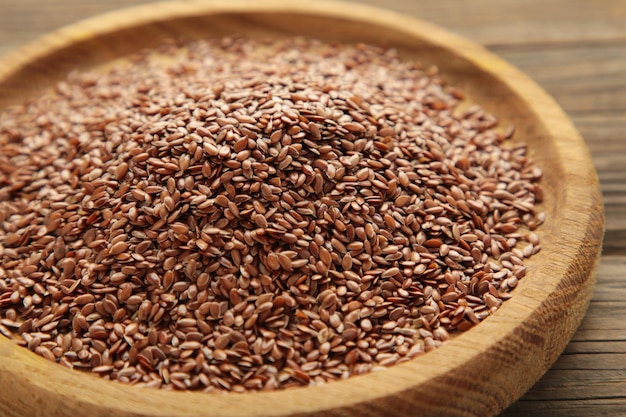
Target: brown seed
<point x="260" y="220"/>
<point x="284" y="262"/>
<point x="180" y="228"/>
<point x="261" y="234"/>
<point x="402" y="200"/>
<point x="272" y="261"/>
<point x="346" y="262"/>
<point x="390" y="272"/>
<point x="121" y="170"/>
<point x="118" y="248"/>
<point x="222" y="200"/>
<point x="84" y="299"/>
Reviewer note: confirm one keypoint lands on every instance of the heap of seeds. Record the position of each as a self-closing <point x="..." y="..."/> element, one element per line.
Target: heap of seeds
<point x="255" y="215"/>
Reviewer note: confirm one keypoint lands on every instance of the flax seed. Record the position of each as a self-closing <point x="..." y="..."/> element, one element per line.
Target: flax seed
<point x="278" y="226"/>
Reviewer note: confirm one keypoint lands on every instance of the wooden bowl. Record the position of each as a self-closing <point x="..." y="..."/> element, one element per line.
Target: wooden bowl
<point x="481" y="371"/>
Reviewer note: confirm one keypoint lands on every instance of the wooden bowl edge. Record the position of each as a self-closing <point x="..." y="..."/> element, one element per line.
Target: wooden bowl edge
<point x="473" y="54"/>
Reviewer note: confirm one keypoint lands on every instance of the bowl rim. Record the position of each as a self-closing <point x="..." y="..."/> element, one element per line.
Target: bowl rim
<point x="506" y="323"/>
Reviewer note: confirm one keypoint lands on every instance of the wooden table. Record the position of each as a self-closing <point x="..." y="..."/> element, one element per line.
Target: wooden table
<point x="576" y="50"/>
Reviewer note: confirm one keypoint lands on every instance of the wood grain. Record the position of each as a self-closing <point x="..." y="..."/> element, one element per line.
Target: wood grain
<point x="581" y="45"/>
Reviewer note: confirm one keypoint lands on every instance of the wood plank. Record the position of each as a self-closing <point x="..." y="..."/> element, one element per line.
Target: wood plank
<point x="522" y="21"/>
<point x="603" y="131"/>
<point x="604" y="135"/>
<point x="600" y="361"/>
<point x="488" y="22"/>
<point x="587" y="77"/>
<point x="606" y="407"/>
<point x="23" y="21"/>
<point x="591" y="347"/>
<point x="576" y="384"/>
<point x="610" y="286"/>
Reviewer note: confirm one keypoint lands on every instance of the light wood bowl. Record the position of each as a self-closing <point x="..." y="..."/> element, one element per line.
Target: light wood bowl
<point x="481" y="371"/>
